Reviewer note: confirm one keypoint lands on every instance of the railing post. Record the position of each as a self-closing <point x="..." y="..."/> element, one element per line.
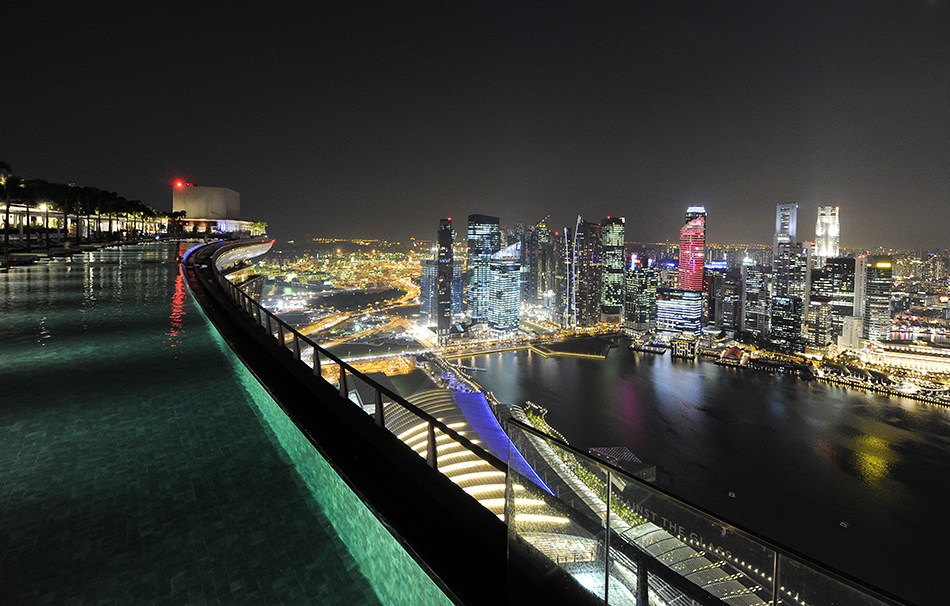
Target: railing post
<point x="344" y="393"/>
<point x="775" y="573"/>
<point x="643" y="587"/>
<point x="280" y="333"/>
<point x="607" y="544"/>
<point x="296" y="347"/>
<point x="380" y="414"/>
<point x="432" y="457"/>
<point x="270" y="330"/>
<point x="316" y="363"/>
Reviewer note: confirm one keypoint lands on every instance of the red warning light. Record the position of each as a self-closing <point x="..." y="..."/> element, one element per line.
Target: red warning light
<point x="179" y="184"/>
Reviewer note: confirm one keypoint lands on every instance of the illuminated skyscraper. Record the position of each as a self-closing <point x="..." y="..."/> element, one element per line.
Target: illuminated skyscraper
<point x="827" y="233"/>
<point x="444" y="279"/>
<point x="692" y="249"/>
<point x="755" y="299"/>
<point x="612" y="262"/>
<point x="831" y="300"/>
<point x="504" y="305"/>
<point x="786" y="225"/>
<point x="878" y="271"/>
<point x="643" y="280"/>
<point x="588" y="266"/>
<point x="790" y="290"/>
<point x="484" y="240"/>
<point x="678" y="311"/>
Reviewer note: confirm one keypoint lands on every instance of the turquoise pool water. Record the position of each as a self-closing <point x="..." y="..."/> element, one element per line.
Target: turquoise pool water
<point x="140" y="463"/>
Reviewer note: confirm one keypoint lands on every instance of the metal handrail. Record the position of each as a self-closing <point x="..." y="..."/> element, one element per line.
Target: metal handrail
<point x="285" y="333"/>
<point x="780" y="552"/>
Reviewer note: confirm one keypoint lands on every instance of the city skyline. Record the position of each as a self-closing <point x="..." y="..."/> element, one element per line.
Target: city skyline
<point x="358" y="121"/>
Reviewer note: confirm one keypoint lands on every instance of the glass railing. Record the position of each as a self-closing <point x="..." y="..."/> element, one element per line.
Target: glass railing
<point x="349" y="381"/>
<point x="659" y="549"/>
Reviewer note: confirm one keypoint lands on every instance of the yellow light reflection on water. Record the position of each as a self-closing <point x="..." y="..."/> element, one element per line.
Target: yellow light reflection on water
<point x="873" y="458"/>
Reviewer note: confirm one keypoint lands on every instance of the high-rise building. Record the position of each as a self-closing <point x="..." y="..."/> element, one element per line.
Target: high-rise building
<point x="444" y="279"/>
<point x="756" y="300"/>
<point x="567" y="279"/>
<point x="692" y="249"/>
<point x="790" y="290"/>
<point x="530" y="258"/>
<point x="726" y="309"/>
<point x="588" y="285"/>
<point x="786" y="225"/>
<point x="678" y="311"/>
<point x="428" y="290"/>
<point x="642" y="281"/>
<point x="785" y="328"/>
<point x="877" y="297"/>
<point x="827" y="232"/>
<point x="612" y="269"/>
<point x="484" y="240"/>
<point x="831" y="300"/>
<point x="504" y="307"/>
<point x="547" y="265"/>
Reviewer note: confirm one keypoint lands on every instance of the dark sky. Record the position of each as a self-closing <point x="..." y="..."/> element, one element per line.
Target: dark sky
<point x="376" y="119"/>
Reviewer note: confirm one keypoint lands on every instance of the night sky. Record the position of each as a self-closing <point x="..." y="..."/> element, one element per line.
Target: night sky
<point x="373" y="119"/>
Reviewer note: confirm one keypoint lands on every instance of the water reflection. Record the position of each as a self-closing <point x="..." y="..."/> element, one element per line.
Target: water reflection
<point x="779" y="444"/>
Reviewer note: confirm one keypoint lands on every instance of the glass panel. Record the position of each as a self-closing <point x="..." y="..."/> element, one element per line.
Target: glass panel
<point x="703" y="551"/>
<point x="802" y="584"/>
<point x="552" y="513"/>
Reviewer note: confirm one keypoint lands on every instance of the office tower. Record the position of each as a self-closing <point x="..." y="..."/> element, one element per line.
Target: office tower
<point x="612" y="269"/>
<point x="692" y="249"/>
<point x="566" y="292"/>
<point x="726" y="309"/>
<point x="642" y="281"/>
<point x="786" y="323"/>
<point x="877" y="297"/>
<point x="790" y="290"/>
<point x="786" y="225"/>
<point x="831" y="299"/>
<point x="756" y="299"/>
<point x="427" y="292"/>
<point x="504" y="307"/>
<point x="587" y="267"/>
<point x="530" y="257"/>
<point x="678" y="311"/>
<point x="827" y="233"/>
<point x="547" y="263"/>
<point x="484" y="240"/>
<point x="444" y="279"/>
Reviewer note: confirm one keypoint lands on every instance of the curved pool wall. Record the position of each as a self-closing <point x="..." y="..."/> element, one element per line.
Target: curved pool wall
<point x="140" y="462"/>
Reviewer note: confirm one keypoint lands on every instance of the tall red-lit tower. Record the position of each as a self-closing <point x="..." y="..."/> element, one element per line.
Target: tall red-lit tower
<point x="693" y="249"/>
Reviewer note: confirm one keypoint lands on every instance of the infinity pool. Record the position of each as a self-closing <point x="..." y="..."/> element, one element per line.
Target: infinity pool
<point x="141" y="463"/>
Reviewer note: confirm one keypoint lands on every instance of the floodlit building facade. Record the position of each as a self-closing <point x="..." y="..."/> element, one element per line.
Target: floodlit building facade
<point x="827" y="233"/>
<point x="786" y="225"/>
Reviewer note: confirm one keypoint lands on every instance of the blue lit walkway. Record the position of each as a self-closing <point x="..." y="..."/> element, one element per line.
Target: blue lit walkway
<point x="140" y="464"/>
